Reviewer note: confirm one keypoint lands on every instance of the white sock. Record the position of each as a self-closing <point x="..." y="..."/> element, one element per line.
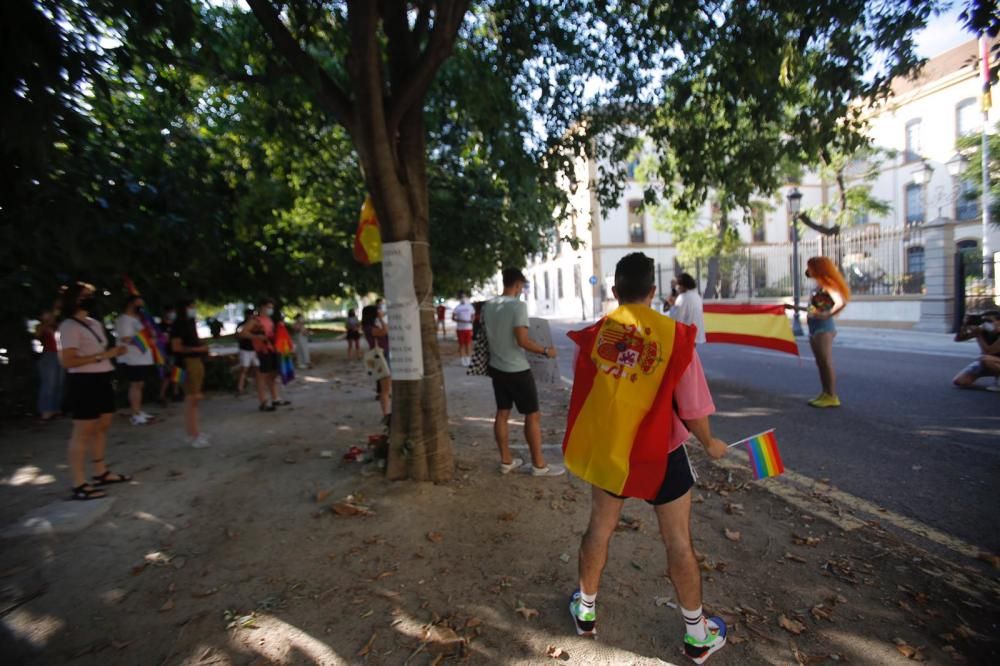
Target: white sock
<point x="694" y="621"/>
<point x="587" y="601"/>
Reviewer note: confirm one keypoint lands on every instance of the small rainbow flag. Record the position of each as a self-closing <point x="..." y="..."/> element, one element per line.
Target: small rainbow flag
<point x="178" y="376"/>
<point x="140" y="342"/>
<point x="765" y="460"/>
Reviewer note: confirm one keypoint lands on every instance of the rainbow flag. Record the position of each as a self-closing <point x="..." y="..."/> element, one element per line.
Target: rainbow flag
<point x="765" y="459"/>
<point x="140" y="342"/>
<point x="283" y="345"/>
<point x="178" y="376"/>
<point x="764" y="326"/>
<point x="621" y="409"/>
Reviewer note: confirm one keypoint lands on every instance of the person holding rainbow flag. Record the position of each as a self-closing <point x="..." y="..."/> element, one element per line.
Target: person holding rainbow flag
<point x="138" y="360"/>
<point x="638" y="389"/>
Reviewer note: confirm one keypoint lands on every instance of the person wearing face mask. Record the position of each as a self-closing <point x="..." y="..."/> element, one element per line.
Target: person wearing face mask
<point x="167" y="380"/>
<point x="986" y="332"/>
<point x="462" y="315"/>
<point x="51" y="376"/>
<point x="138" y="361"/>
<point x="829" y="300"/>
<point x="84" y="353"/>
<point x="268" y="356"/>
<point x="190" y="352"/>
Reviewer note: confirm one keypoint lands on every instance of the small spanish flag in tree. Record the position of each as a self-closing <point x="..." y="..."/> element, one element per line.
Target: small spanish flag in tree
<point x="368" y="239"/>
<point x="621" y="410"/>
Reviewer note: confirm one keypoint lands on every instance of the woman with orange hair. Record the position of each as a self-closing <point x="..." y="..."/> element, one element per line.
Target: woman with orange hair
<point x="829" y="299"/>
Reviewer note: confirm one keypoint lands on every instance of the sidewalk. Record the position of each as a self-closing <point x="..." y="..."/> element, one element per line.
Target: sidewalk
<point x="247" y="553"/>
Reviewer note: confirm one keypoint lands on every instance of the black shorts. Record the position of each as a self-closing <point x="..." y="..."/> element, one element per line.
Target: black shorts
<point x="515" y="388"/>
<point x="138" y="373"/>
<point x="677" y="481"/>
<point x="90" y="394"/>
<point x="268" y="362"/>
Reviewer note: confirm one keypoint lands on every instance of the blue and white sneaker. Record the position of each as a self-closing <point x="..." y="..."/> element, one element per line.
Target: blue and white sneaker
<point x="585" y="619"/>
<point x="699" y="651"/>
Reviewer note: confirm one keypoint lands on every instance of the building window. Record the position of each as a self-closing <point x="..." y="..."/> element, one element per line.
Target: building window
<point x="913" y="146"/>
<point x="967" y="203"/>
<point x="577" y="279"/>
<point x="914" y="204"/>
<point x="548" y="291"/>
<point x="636" y="223"/>
<point x="534" y="285"/>
<point x="967" y="118"/>
<point x="972" y="258"/>
<point x="914" y="280"/>
<point x="559" y="283"/>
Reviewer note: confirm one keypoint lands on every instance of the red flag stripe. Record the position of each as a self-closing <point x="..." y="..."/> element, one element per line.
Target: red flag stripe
<point x="754" y="341"/>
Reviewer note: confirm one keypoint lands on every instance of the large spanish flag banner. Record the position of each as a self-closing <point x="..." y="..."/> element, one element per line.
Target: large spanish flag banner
<point x="621" y="409"/>
<point x="764" y="326"/>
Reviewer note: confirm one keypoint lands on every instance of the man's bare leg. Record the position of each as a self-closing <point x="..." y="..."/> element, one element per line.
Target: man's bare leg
<point x="533" y="435"/>
<point x="501" y="433"/>
<point x="682" y="566"/>
<point x="604" y="512"/>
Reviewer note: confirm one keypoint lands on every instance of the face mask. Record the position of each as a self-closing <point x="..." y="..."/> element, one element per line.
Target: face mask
<point x="268" y="312"/>
<point x="988" y="326"/>
<point x="192" y="313"/>
<point x="89" y="304"/>
<point x="170" y="316"/>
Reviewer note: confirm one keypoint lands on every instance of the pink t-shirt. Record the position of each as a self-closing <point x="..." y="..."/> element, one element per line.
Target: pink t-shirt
<point x="693" y="400"/>
<point x="73" y="334"/>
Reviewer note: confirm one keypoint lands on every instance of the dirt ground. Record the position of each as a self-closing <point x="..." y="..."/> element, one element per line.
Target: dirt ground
<point x="232" y="555"/>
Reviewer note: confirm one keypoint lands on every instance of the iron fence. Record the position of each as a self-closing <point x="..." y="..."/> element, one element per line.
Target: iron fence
<point x="875" y="261"/>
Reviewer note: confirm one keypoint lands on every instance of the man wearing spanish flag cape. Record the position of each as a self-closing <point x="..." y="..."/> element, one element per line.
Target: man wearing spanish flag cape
<point x="638" y="389"/>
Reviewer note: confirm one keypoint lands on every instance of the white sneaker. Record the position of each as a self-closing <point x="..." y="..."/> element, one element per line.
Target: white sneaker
<point x="548" y="470"/>
<point x="148" y="417"/>
<point x="200" y="442"/>
<point x="507" y="468"/>
<point x="138" y="419"/>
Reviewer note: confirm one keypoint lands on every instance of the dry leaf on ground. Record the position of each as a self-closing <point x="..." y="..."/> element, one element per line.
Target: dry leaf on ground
<point x="526" y="613"/>
<point x="435" y="537"/>
<point x="790" y="625"/>
<point x="733" y="535"/>
<point x="554" y="652"/>
<point x="368" y="646"/>
<point x="908" y="651"/>
<point x="805" y="540"/>
<point x="348" y="509"/>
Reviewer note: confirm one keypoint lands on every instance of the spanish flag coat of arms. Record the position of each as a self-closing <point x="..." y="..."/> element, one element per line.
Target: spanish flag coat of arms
<point x="621" y="409"/>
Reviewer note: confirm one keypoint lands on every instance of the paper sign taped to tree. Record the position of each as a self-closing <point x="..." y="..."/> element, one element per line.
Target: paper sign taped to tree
<point x="397" y="273"/>
<point x="405" y="350"/>
<point x="545" y="370"/>
<point x="406" y="357"/>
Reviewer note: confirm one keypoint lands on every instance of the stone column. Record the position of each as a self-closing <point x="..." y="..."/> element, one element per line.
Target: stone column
<point x="937" y="309"/>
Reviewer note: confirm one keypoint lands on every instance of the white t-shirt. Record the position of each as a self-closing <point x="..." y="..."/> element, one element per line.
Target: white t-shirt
<point x="688" y="310"/>
<point x="127" y="326"/>
<point x="463" y="315"/>
<point x="73" y="334"/>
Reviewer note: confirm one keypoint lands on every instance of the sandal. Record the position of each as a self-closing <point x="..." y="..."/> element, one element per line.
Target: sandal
<point x="85" y="492"/>
<point x="105" y="480"/>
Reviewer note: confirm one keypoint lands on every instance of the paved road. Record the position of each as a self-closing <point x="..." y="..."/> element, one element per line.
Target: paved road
<point x="905" y="439"/>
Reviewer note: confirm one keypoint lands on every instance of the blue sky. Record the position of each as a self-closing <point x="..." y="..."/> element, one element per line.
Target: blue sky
<point x="942" y="33"/>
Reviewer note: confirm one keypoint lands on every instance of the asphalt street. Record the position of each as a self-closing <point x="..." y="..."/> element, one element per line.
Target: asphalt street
<point x="904" y="439"/>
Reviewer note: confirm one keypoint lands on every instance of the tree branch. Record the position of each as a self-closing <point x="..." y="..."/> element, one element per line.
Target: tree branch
<point x="447" y="20"/>
<point x="826" y="231"/>
<point x="327" y="91"/>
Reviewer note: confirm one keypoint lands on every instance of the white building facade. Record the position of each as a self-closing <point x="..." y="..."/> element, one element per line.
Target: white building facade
<point x="921" y="126"/>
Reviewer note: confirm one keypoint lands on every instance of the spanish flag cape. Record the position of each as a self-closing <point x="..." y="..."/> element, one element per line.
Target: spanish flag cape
<point x="621" y="409"/>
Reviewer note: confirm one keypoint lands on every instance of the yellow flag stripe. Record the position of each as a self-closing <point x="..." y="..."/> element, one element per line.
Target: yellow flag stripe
<point x="763" y="325"/>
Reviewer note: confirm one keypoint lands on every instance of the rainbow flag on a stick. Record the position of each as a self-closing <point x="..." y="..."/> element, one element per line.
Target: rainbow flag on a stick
<point x="764" y="326"/>
<point x="283" y="345"/>
<point x="765" y="459"/>
<point x="178" y="376"/>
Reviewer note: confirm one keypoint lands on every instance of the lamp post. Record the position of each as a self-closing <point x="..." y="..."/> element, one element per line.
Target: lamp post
<point x="794" y="206"/>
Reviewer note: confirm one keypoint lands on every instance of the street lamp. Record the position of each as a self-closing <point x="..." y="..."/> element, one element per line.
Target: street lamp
<point x="794" y="206"/>
<point x="957" y="165"/>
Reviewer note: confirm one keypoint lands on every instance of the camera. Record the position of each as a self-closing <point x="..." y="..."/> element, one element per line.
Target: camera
<point x="973" y="320"/>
